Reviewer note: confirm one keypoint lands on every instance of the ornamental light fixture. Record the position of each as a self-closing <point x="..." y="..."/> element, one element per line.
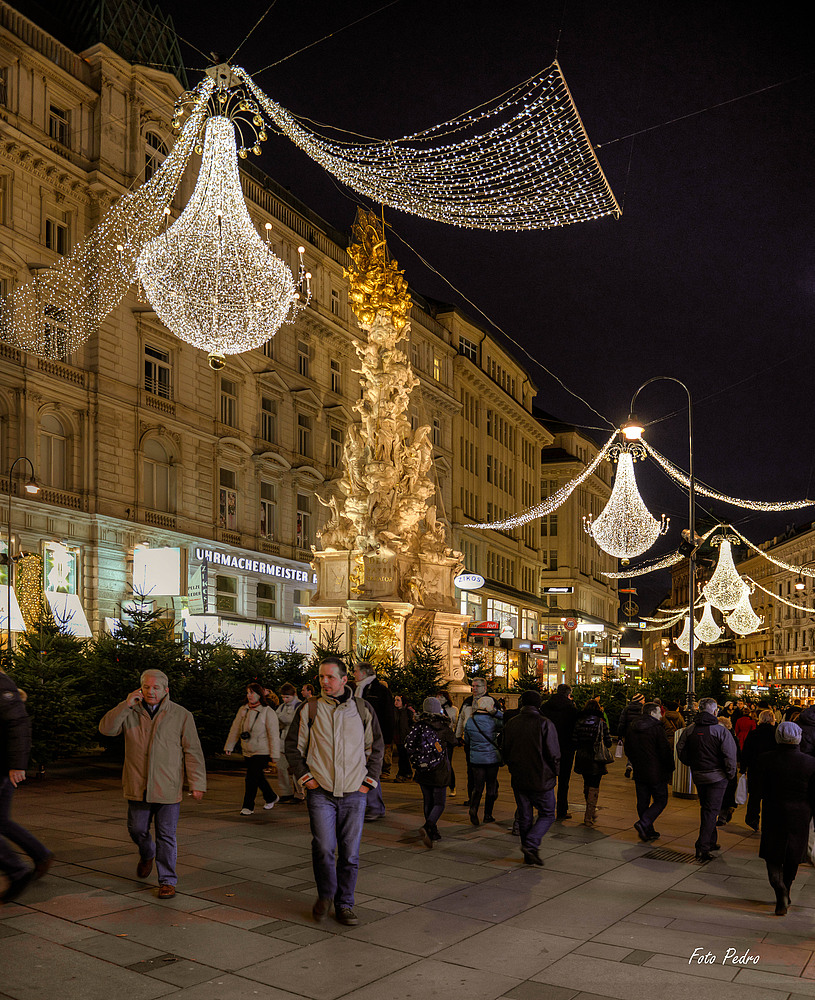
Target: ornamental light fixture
<point x="743" y="620"/>
<point x="633" y="428"/>
<point x="725" y="587"/>
<point x="707" y="630"/>
<point x="625" y="528"/>
<point x="683" y="639"/>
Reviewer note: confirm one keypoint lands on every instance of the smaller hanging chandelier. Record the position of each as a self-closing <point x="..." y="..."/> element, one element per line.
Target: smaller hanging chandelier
<point x="625" y="528"/>
<point x="683" y="639"/>
<point x="707" y="630"/>
<point x="724" y="589"/>
<point x="743" y="620"/>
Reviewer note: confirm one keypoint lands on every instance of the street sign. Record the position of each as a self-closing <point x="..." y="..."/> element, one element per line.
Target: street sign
<point x="630" y="608"/>
<point x="570" y="624"/>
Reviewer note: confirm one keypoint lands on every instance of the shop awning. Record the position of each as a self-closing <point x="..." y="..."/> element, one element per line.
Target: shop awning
<point x="17" y="620"/>
<point x="70" y="615"/>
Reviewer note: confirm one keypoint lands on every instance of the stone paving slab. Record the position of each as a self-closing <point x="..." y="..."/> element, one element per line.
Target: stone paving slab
<point x="435" y="980"/>
<point x="419" y="931"/>
<point x="509" y="951"/>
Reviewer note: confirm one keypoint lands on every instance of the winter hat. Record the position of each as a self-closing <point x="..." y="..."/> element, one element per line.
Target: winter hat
<point x="639" y="697"/>
<point x="532" y="698"/>
<point x="431" y="705"/>
<point x="485" y="704"/>
<point x="788" y="732"/>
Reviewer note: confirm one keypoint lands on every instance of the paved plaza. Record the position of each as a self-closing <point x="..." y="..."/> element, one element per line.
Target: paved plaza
<point x="607" y="916"/>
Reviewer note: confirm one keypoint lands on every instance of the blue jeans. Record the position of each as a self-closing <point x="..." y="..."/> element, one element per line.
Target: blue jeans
<point x="165" y="819"/>
<point x="10" y="861"/>
<point x="336" y="826"/>
<point x="531" y="829"/>
<point x="710" y="802"/>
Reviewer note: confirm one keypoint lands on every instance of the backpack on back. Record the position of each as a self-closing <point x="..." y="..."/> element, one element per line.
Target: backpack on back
<point x="424" y="750"/>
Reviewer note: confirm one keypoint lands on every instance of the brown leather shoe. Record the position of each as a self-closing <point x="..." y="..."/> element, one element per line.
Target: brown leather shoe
<point x="166" y="891"/>
<point x="320" y="909"/>
<point x="144" y="867"/>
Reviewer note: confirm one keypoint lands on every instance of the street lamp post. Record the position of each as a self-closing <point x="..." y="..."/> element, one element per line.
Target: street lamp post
<point x="30" y="487"/>
<point x="632" y="429"/>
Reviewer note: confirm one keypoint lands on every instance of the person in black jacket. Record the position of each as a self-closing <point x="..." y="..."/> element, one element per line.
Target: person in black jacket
<point x="403" y="716"/>
<point x="787" y="783"/>
<point x="15" y="747"/>
<point x="371" y="689"/>
<point x="532" y="754"/>
<point x="631" y="711"/>
<point x="709" y="751"/>
<point x="562" y="711"/>
<point x="590" y="732"/>
<point x="653" y="762"/>
<point x="433" y="782"/>
<point x="759" y="741"/>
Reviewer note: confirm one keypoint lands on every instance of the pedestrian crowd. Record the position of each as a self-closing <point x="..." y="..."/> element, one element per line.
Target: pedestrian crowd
<point x="330" y="751"/>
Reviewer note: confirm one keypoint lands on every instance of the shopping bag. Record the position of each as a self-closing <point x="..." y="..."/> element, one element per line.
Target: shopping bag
<point x="741" y="791"/>
<point x="619" y="751"/>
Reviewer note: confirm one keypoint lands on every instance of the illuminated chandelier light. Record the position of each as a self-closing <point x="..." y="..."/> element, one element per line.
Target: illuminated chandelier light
<point x="707" y="630"/>
<point x="210" y="277"/>
<point x="743" y="620"/>
<point x="670" y="560"/>
<point x="55" y="313"/>
<point x="521" y="161"/>
<point x="625" y="528"/>
<point x="801" y="570"/>
<point x="675" y="473"/>
<point x="683" y="639"/>
<point x="551" y="503"/>
<point x="724" y="589"/>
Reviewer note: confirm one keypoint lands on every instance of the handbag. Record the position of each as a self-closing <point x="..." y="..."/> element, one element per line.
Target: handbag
<point x="741" y="791"/>
<point x="602" y="754"/>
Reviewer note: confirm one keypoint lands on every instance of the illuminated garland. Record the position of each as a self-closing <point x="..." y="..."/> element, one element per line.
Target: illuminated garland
<point x="776" y="562"/>
<point x="522" y="161"/>
<point x="58" y="310"/>
<point x="552" y="503"/>
<point x="778" y="597"/>
<point x="663" y="563"/>
<point x="684" y="480"/>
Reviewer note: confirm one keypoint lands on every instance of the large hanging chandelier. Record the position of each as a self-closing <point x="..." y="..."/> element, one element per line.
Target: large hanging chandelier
<point x="724" y="589"/>
<point x="625" y="528"/>
<point x="209" y="276"/>
<point x="743" y="620"/>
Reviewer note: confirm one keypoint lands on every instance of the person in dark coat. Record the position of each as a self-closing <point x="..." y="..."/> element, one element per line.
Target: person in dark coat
<point x="761" y="740"/>
<point x="371" y="689"/>
<point x="532" y="753"/>
<point x="631" y="711"/>
<point x="652" y="759"/>
<point x="673" y="721"/>
<point x="15" y="747"/>
<point x="709" y="751"/>
<point x="806" y="720"/>
<point x="786" y="780"/>
<point x="590" y="723"/>
<point x="403" y="716"/>
<point x="433" y="783"/>
<point x="562" y="711"/>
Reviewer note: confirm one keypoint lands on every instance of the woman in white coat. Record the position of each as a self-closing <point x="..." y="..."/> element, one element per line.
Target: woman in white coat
<point x="257" y="728"/>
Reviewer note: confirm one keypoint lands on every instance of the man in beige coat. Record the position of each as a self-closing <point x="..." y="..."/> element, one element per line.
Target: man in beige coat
<point x="161" y="745"/>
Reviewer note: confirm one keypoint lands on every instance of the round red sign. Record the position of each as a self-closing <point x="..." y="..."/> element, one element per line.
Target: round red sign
<point x="570" y="624"/>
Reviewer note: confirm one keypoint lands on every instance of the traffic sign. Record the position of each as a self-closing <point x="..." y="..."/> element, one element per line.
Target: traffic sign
<point x="570" y="624"/>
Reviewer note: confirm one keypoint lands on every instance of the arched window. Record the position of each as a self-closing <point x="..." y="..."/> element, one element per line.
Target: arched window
<point x="156" y="477"/>
<point x="154" y="154"/>
<point x="53" y="452"/>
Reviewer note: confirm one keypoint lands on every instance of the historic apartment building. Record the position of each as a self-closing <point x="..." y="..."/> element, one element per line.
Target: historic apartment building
<point x="156" y="471"/>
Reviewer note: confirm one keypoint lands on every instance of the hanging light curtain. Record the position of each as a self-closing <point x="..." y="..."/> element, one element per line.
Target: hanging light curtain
<point x="707" y="630"/>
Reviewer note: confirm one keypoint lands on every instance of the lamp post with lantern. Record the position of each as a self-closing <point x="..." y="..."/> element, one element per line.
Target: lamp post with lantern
<point x="32" y="488"/>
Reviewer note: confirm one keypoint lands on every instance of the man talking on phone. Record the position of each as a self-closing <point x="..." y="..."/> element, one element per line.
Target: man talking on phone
<point x="161" y="747"/>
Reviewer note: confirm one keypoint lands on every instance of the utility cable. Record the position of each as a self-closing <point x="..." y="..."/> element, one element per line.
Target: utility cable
<point x="250" y="32"/>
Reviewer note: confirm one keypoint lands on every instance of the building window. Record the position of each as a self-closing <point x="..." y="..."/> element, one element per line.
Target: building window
<point x="304" y="435"/>
<point x="3" y="86"/>
<point x="156" y="477"/>
<point x="4" y="199"/>
<point x="436" y="431"/>
<point x="302" y="598"/>
<point x="58" y="124"/>
<point x="468" y="348"/>
<point x="268" y="419"/>
<point x="552" y="559"/>
<point x="226" y="593"/>
<point x="268" y="509"/>
<point x="437" y="368"/>
<point x="229" y="402"/>
<point x="304" y="537"/>
<point x="55" y="332"/>
<point x="56" y="235"/>
<point x="268" y="348"/>
<point x="335" y="302"/>
<point x="267" y="600"/>
<point x="157" y="372"/>
<point x="303" y="358"/>
<point x="228" y="499"/>
<point x="53" y="452"/>
<point x="155" y="153"/>
<point x="336" y="448"/>
<point x="414" y="418"/>
<point x="336" y="377"/>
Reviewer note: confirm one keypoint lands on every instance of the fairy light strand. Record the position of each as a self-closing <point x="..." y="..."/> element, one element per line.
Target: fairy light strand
<point x="802" y="570"/>
<point x="778" y="597"/>
<point x="522" y="161"/>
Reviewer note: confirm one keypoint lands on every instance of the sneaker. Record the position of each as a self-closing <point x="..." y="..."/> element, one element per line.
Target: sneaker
<point x="247" y="812"/>
<point x="452" y="793"/>
<point x="270" y="805"/>
<point x="320" y="909"/>
<point x="345" y="915"/>
<point x="427" y="840"/>
<point x="144" y="867"/>
<point x="629" y="771"/>
<point x="532" y="857"/>
<point x="166" y="891"/>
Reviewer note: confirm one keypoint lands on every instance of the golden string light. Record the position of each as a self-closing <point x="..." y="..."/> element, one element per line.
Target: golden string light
<point x="522" y="161"/>
<point x="801" y="570"/>
<point x="778" y="597"/>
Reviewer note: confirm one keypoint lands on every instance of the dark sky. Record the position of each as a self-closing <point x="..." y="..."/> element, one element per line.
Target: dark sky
<point x="709" y="276"/>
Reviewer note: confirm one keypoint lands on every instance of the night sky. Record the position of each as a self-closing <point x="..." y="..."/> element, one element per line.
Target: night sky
<point x="709" y="276"/>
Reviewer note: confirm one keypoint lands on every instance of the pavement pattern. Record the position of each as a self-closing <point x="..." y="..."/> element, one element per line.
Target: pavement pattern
<point x="606" y="917"/>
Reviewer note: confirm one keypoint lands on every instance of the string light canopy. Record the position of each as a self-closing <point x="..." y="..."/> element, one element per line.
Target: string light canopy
<point x="724" y="589"/>
<point x="625" y="528"/>
<point x="663" y="563"/>
<point x="707" y="630"/>
<point x="210" y="277"/>
<point x="742" y="619"/>
<point x="520" y="161"/>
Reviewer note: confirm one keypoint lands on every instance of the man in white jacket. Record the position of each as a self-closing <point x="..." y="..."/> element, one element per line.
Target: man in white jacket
<point x="334" y="748"/>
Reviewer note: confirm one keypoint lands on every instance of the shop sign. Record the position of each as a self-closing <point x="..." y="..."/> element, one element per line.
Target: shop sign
<point x="197" y="590"/>
<point x="558" y="590"/>
<point x="469" y="581"/>
<point x="218" y="557"/>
